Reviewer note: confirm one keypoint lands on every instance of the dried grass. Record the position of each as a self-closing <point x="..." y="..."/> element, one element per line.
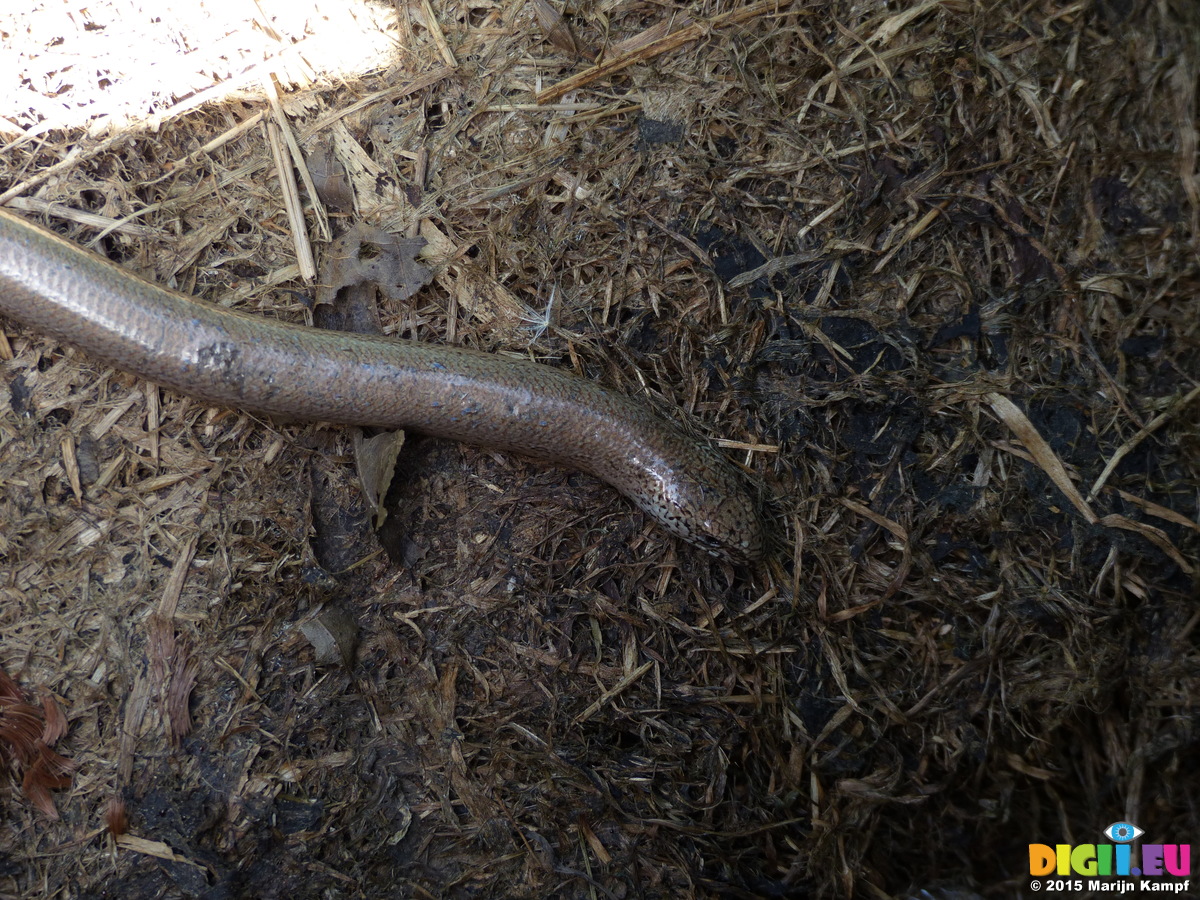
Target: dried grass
<point x="933" y="271"/>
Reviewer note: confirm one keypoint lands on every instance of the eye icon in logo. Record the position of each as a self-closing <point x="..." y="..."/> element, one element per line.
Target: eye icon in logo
<point x="1123" y="832"/>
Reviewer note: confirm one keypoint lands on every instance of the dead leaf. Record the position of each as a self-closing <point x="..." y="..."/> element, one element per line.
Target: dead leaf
<point x="368" y="258"/>
<point x="1045" y="458"/>
<point x="329" y="178"/>
<point x="375" y="458"/>
<point x="333" y="634"/>
<point x="554" y="26"/>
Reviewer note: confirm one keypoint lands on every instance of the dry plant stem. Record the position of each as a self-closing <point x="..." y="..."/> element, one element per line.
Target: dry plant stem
<point x="287" y="158"/>
<point x="688" y="33"/>
<point x="1125" y="449"/>
<point x="291" y="202"/>
<point x="1047" y="460"/>
<point x="235" y="359"/>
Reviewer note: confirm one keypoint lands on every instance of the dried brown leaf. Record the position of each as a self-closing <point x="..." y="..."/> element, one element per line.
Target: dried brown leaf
<point x="334" y="635"/>
<point x="554" y="26"/>
<point x="366" y="256"/>
<point x="375" y="457"/>
<point x="1046" y="459"/>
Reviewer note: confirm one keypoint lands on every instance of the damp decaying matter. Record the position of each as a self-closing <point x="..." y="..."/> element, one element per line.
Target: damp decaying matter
<point x="929" y="274"/>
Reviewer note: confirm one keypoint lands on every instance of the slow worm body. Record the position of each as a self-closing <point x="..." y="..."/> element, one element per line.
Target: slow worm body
<point x="234" y="359"/>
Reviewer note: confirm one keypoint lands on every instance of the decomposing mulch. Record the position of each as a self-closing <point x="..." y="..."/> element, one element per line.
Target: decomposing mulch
<point x="929" y="270"/>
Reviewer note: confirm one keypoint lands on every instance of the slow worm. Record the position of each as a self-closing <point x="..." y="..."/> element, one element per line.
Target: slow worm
<point x="234" y="359"/>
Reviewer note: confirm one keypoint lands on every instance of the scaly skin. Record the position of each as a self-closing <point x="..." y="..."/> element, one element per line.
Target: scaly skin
<point x="234" y="359"/>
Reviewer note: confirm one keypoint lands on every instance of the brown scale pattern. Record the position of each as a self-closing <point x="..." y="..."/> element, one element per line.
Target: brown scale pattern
<point x="230" y="358"/>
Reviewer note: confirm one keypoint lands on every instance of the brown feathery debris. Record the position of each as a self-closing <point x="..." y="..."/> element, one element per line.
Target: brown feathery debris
<point x="27" y="733"/>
